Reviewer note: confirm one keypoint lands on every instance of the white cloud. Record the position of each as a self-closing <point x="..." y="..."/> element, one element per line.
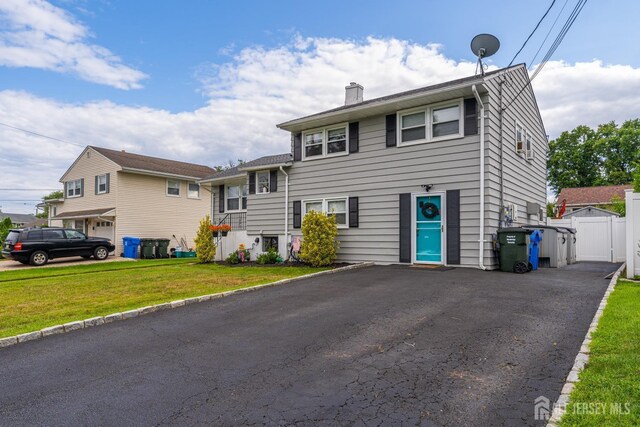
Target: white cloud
<point x="37" y="34"/>
<point x="261" y="87"/>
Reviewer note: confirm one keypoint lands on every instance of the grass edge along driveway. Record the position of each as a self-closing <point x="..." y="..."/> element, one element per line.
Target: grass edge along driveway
<point x="608" y="392"/>
<point x="33" y="299"/>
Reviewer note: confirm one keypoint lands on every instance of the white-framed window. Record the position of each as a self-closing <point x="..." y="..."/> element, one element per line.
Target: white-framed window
<point x="193" y="190"/>
<point x="263" y="182"/>
<point x="529" y="146"/>
<point x="431" y="123"/>
<point x="74" y="188"/>
<point x="173" y="187"/>
<point x="104" y="224"/>
<point x="102" y="184"/>
<point x="325" y="142"/>
<point x="333" y="206"/>
<point x="520" y="136"/>
<point x="237" y="197"/>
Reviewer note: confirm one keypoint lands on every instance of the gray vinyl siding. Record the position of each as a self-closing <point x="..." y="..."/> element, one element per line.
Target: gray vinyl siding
<point x="265" y="212"/>
<point x="377" y="175"/>
<point x="524" y="180"/>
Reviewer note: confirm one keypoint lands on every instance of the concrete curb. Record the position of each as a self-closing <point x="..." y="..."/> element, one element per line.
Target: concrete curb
<point x="130" y="314"/>
<point x="583" y="355"/>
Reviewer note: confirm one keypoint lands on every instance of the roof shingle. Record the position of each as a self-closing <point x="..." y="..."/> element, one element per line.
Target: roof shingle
<point x="592" y="195"/>
<point x="154" y="164"/>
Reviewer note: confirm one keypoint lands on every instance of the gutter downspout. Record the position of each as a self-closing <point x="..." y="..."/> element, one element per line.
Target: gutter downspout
<point x="481" y="238"/>
<point x="286" y="210"/>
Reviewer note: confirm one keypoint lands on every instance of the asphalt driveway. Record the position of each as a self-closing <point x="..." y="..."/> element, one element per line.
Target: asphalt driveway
<point x="392" y="345"/>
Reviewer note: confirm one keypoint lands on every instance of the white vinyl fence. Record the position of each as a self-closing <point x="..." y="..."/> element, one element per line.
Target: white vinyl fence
<point x="597" y="238"/>
<point x="633" y="233"/>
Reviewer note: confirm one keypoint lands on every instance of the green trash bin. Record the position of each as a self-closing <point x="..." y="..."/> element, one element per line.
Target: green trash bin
<point x="514" y="249"/>
<point x="148" y="248"/>
<point x="162" y="250"/>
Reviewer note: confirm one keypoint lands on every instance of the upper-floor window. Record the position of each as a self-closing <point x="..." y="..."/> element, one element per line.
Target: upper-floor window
<point x="237" y="197"/>
<point x="431" y="123"/>
<point x="173" y="187"/>
<point x="193" y="190"/>
<point x="264" y="183"/>
<point x="332" y="207"/>
<point x="329" y="141"/>
<point x="101" y="182"/>
<point x="74" y="188"/>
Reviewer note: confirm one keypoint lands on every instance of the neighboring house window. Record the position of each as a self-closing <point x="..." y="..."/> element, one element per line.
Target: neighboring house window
<point x="332" y="207"/>
<point x="269" y="242"/>
<point x="53" y="210"/>
<point x="193" y="191"/>
<point x="173" y="187"/>
<point x="102" y="184"/>
<point x="325" y="142"/>
<point x="431" y="123"/>
<point x="77" y="224"/>
<point x="237" y="197"/>
<point x="74" y="188"/>
<point x="263" y="182"/>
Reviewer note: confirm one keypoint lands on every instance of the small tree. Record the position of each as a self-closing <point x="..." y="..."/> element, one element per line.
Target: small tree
<point x="319" y="246"/>
<point x="636" y="178"/>
<point x="205" y="248"/>
<point x="618" y="205"/>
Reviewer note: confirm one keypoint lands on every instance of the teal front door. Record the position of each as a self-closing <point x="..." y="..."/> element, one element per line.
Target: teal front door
<point x="428" y="215"/>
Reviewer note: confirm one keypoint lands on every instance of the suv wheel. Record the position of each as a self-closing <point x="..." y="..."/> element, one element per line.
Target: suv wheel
<point x="101" y="253"/>
<point x="39" y="258"/>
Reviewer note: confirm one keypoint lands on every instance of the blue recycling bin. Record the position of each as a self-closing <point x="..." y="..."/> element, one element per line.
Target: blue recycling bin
<point x="534" y="248"/>
<point x="131" y="245"/>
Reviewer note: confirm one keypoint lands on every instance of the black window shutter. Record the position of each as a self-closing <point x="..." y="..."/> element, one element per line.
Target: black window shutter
<point x="297" y="147"/>
<point x="470" y="116"/>
<point x="405" y="227"/>
<point x="221" y="198"/>
<point x="108" y="182"/>
<point x="391" y="130"/>
<point x="65" y="190"/>
<point x="353" y="212"/>
<point x="354" y="137"/>
<point x="96" y="189"/>
<point x="297" y="214"/>
<point x="81" y="187"/>
<point x="273" y="181"/>
<point x="453" y="226"/>
<point x="252" y="183"/>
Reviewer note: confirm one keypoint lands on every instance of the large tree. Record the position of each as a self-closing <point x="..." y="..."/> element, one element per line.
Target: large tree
<point x="585" y="157"/>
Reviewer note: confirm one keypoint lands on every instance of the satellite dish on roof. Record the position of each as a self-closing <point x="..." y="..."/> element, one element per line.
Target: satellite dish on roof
<point x="483" y="46"/>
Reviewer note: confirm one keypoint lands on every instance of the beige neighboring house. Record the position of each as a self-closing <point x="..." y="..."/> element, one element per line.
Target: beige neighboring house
<point x="112" y="194"/>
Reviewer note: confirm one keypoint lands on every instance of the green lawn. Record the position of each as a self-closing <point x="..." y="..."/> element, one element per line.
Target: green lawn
<point x="34" y="298"/>
<point x="610" y="382"/>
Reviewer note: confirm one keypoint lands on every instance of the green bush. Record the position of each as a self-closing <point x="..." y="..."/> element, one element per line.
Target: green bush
<point x="270" y="257"/>
<point x="319" y="245"/>
<point x="235" y="257"/>
<point x="205" y="248"/>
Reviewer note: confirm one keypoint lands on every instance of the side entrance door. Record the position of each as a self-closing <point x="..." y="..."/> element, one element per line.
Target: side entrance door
<point x="428" y="242"/>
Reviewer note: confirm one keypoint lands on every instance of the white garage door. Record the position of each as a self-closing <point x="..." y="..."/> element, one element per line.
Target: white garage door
<point x="104" y="229"/>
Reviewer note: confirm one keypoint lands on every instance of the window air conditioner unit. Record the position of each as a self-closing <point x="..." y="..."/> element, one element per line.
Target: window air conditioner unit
<point x="520" y="146"/>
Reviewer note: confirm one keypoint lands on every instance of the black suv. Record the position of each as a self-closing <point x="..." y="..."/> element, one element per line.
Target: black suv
<point x="36" y="246"/>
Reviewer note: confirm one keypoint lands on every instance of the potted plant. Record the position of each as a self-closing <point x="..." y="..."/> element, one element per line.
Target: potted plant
<point x="220" y="230"/>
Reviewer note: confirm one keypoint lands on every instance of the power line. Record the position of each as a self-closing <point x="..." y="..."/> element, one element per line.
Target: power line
<point x="30" y="189"/>
<point x="549" y="32"/>
<point x="559" y="38"/>
<point x="532" y="32"/>
<point x="40" y="135"/>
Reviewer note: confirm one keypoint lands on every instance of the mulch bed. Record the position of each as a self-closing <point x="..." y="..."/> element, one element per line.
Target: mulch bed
<point x="282" y="264"/>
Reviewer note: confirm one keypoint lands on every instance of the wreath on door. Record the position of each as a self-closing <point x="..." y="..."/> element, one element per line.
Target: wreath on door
<point x="429" y="210"/>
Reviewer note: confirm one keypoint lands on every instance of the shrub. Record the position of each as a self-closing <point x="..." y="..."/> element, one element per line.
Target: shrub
<point x="205" y="248"/>
<point x="236" y="257"/>
<point x="270" y="257"/>
<point x="319" y="246"/>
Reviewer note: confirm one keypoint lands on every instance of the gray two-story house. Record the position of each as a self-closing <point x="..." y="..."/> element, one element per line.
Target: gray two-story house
<point x="425" y="176"/>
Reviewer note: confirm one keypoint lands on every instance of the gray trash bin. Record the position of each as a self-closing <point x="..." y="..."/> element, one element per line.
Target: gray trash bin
<point x="571" y="244"/>
<point x="553" y="248"/>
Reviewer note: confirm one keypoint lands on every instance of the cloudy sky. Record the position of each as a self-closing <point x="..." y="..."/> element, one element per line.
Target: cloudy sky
<point x="207" y="81"/>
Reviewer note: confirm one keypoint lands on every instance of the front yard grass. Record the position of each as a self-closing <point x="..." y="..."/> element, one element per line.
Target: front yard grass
<point x="609" y="386"/>
<point x="34" y="298"/>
